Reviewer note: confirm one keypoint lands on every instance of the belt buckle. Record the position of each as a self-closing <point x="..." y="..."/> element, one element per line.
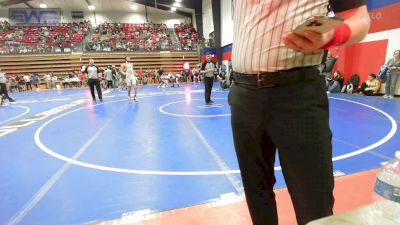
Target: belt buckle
<point x="259" y="81"/>
<point x="260" y="84"/>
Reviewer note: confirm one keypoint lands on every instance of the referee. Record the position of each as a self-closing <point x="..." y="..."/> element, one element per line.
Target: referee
<point x="278" y="101"/>
<point x="208" y="68"/>
<point x="93" y="74"/>
<point x="3" y="88"/>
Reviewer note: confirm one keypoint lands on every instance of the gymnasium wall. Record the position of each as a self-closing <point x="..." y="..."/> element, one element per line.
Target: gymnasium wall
<point x="155" y="15"/>
<point x="194" y="20"/>
<point x="363" y="58"/>
<point x="226" y="22"/>
<point x="378" y="47"/>
<point x="208" y="24"/>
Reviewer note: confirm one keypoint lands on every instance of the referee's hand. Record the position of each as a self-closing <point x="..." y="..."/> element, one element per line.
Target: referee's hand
<point x="308" y="42"/>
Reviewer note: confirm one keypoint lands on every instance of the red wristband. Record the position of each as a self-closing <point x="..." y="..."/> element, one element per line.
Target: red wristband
<point x="342" y="34"/>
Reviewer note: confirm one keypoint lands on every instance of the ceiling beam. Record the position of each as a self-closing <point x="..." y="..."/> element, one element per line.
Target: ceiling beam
<point x="13" y="2"/>
<point x="29" y="5"/>
<point x="186" y="4"/>
<point x="162" y="7"/>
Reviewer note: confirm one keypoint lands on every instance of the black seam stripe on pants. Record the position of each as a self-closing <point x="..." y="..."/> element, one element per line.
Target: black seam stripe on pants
<point x="208" y="84"/>
<point x="109" y="84"/>
<point x="92" y="83"/>
<point x="294" y="119"/>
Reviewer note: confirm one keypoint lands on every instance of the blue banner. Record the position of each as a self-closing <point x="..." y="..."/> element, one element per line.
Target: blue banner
<point x="375" y="4"/>
<point x="21" y="17"/>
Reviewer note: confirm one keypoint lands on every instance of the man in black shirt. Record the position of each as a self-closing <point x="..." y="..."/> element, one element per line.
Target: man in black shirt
<point x="329" y="64"/>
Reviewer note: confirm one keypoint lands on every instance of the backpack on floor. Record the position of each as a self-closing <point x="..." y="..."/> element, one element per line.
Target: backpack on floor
<point x="354" y="80"/>
<point x="383" y="73"/>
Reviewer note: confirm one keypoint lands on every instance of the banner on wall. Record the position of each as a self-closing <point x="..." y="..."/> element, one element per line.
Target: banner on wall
<point x="23" y="17"/>
<point x="205" y="51"/>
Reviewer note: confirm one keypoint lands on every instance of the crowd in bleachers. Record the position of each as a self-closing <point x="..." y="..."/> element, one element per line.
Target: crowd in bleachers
<point x="187" y="35"/>
<point x="130" y="37"/>
<point x="41" y="39"/>
<point x="34" y="81"/>
<point x="106" y="37"/>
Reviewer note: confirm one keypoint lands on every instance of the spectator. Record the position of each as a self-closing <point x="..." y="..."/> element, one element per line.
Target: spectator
<point x="13" y="85"/>
<point x="109" y="77"/>
<point x="54" y="80"/>
<point x="47" y="79"/>
<point x="82" y="77"/>
<point x="28" y="82"/>
<point x="31" y="39"/>
<point x="329" y="64"/>
<point x="196" y="74"/>
<point x="36" y="81"/>
<point x="145" y="79"/>
<point x="334" y="84"/>
<point x="393" y="75"/>
<point x="114" y="72"/>
<point x="20" y="83"/>
<point x="352" y="84"/>
<point x="223" y="82"/>
<point x="370" y="87"/>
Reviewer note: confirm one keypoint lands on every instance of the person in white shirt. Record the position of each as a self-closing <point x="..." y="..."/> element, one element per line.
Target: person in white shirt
<point x="3" y="88"/>
<point x="54" y="79"/>
<point x="130" y="77"/>
<point x="196" y="74"/>
<point x="27" y="80"/>
<point x="93" y="80"/>
<point x="47" y="78"/>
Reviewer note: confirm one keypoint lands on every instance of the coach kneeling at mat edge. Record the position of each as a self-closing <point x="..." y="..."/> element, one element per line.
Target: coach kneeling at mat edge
<point x="279" y="101"/>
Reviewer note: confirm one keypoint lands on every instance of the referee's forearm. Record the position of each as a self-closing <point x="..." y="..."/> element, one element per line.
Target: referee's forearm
<point x="359" y="22"/>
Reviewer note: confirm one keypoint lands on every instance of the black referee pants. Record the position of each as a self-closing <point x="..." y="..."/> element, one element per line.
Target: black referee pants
<point x="95" y="83"/>
<point x="208" y="84"/>
<point x="3" y="91"/>
<point x="294" y="119"/>
<point x="109" y="84"/>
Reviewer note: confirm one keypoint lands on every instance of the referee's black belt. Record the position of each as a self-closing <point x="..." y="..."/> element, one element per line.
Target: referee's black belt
<point x="273" y="79"/>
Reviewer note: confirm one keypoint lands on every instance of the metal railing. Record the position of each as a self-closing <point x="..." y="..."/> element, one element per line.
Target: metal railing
<point x="89" y="46"/>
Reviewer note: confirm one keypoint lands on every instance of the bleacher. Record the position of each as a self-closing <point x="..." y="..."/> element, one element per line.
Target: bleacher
<point x="107" y="37"/>
<point x="42" y="39"/>
<point x="187" y="35"/>
<point x="130" y="37"/>
<point x="149" y="46"/>
<point x="62" y="64"/>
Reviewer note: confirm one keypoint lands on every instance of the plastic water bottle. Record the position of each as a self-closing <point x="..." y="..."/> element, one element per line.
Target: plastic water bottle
<point x="386" y="209"/>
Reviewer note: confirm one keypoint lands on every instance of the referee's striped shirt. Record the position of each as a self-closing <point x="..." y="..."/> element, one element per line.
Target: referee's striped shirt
<point x="260" y="24"/>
